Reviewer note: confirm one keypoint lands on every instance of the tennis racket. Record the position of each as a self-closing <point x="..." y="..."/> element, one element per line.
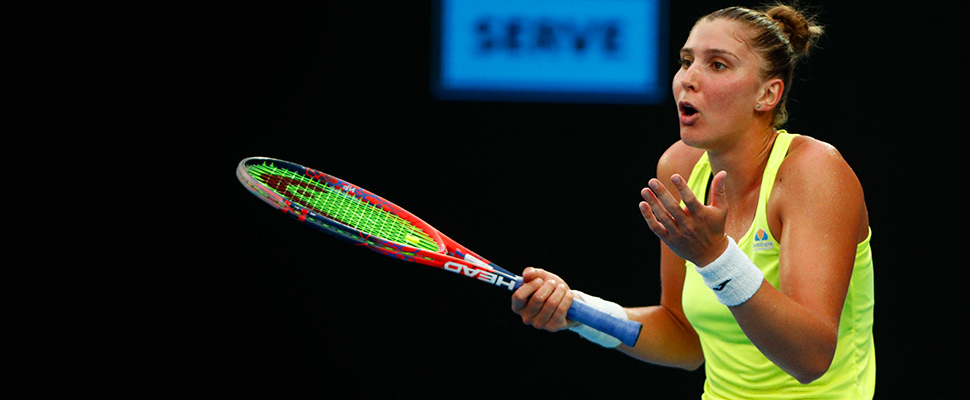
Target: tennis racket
<point x="357" y="216"/>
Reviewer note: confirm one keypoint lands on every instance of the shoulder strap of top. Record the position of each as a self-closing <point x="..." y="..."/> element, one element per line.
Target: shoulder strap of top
<point x="699" y="177"/>
<point x="778" y="152"/>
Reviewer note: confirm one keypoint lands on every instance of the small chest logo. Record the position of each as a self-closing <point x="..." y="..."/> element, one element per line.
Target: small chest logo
<point x="761" y="241"/>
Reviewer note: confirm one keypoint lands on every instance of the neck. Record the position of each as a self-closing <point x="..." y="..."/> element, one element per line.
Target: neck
<point x="744" y="160"/>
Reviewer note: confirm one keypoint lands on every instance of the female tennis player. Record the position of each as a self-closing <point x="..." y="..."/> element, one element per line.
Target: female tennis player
<point x="765" y="261"/>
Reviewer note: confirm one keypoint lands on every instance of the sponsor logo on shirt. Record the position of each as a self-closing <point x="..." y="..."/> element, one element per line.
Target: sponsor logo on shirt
<point x="761" y="241"/>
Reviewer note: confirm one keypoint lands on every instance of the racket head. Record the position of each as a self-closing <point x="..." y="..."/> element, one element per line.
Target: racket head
<point x="339" y="208"/>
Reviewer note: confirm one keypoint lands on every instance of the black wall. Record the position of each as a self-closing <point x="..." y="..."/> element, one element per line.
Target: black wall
<point x="345" y="89"/>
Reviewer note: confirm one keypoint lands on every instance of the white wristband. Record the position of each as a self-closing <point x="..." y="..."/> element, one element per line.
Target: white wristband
<point x="608" y="307"/>
<point x="732" y="276"/>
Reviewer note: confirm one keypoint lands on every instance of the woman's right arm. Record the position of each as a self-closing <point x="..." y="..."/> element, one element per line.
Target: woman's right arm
<point x="667" y="338"/>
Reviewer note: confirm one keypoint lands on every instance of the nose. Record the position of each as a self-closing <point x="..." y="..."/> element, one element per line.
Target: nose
<point x="688" y="79"/>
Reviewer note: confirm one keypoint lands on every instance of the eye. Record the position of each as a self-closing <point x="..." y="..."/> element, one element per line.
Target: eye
<point x="717" y="65"/>
<point x="685" y="62"/>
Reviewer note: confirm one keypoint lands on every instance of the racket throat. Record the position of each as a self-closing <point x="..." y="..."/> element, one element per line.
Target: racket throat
<point x="474" y="260"/>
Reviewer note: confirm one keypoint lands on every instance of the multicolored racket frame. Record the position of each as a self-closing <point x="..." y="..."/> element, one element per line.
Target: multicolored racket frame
<point x="284" y="188"/>
<point x="305" y="194"/>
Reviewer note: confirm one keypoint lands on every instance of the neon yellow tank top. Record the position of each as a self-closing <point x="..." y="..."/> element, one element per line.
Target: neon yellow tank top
<point x="734" y="367"/>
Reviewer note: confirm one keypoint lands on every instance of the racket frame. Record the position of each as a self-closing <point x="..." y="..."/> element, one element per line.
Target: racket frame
<point x="450" y="255"/>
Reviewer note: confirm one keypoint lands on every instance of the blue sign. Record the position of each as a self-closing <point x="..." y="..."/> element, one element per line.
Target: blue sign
<point x="601" y="51"/>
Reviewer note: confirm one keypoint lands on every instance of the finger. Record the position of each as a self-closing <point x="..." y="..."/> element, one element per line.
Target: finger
<point x="719" y="194"/>
<point x="536" y="302"/>
<point x="546" y="275"/>
<point x="545" y="317"/>
<point x="533" y="273"/>
<point x="686" y="195"/>
<point x="563" y="310"/>
<point x="530" y="273"/>
<point x="522" y="295"/>
<point x="658" y="209"/>
<point x="670" y="203"/>
<point x="655" y="226"/>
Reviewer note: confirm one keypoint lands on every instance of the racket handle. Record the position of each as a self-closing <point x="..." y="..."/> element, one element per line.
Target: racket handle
<point x="627" y="331"/>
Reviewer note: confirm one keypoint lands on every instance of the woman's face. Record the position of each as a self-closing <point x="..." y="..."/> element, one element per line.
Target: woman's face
<point x="718" y="84"/>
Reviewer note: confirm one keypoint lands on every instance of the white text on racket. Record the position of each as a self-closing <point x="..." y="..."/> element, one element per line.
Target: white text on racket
<point x="481" y="275"/>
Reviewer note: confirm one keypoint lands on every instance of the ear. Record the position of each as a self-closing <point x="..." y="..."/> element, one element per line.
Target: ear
<point x="771" y="92"/>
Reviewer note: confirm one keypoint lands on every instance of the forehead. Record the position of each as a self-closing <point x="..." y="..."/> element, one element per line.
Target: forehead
<point x="720" y="34"/>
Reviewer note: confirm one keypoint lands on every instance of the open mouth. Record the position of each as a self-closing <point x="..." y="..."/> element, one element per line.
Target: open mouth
<point x="688" y="114"/>
<point x="687" y="109"/>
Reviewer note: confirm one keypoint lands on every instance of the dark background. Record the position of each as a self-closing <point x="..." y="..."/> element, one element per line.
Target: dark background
<point x="344" y="88"/>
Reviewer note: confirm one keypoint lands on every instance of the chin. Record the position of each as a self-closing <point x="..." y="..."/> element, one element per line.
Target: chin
<point x="691" y="136"/>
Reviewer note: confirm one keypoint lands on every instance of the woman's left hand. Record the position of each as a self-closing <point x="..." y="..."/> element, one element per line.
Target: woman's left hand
<point x="694" y="232"/>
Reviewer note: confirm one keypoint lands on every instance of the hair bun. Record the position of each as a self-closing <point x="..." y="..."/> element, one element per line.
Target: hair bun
<point x="800" y="30"/>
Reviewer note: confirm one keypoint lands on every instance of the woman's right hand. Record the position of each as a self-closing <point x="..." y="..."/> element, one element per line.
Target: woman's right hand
<point x="543" y="300"/>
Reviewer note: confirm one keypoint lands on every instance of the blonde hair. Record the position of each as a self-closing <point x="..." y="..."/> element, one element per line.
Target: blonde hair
<point x="783" y="36"/>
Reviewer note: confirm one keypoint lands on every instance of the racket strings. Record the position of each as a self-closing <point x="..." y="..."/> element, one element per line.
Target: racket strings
<point x="342" y="207"/>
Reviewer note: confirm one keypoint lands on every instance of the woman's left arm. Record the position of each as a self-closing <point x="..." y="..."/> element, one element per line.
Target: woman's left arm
<point x="819" y="203"/>
<point x="822" y="210"/>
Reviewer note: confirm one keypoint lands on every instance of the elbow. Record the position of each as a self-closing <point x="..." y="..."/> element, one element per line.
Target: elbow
<point x="806" y="377"/>
<point x="693" y="366"/>
<point x="812" y="371"/>
<point x="813" y="365"/>
<point x="689" y="363"/>
<point x="688" y="367"/>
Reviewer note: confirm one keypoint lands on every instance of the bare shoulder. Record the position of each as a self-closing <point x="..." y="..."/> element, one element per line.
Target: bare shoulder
<point x="678" y="159"/>
<point x="816" y="180"/>
<point x="812" y="160"/>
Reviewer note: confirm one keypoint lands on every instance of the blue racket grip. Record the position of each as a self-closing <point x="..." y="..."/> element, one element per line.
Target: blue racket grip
<point x="627" y="331"/>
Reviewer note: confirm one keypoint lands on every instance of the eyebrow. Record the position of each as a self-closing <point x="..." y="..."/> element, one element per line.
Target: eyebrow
<point x="710" y="52"/>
